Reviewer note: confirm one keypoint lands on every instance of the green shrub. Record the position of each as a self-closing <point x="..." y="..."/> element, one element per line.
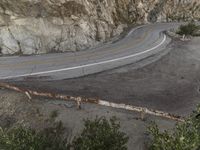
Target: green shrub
<point x="188" y="29"/>
<point x="101" y="134"/>
<point x="21" y="138"/>
<point x="54" y="114"/>
<point x="185" y="136"/>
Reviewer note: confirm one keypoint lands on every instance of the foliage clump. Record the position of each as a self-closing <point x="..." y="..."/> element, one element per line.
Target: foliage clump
<point x="101" y="134"/>
<point x="189" y="29"/>
<point x="185" y="136"/>
<point x="98" y="134"/>
<point x="21" y="138"/>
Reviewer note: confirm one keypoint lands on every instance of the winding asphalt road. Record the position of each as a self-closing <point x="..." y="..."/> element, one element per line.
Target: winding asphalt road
<point x="139" y="44"/>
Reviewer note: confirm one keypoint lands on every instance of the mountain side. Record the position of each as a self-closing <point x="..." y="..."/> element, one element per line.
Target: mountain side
<point x="45" y="26"/>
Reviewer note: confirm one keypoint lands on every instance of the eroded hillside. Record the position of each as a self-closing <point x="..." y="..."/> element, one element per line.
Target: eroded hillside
<point x="40" y="26"/>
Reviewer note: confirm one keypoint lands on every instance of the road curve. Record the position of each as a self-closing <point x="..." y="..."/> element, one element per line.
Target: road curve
<point x="139" y="43"/>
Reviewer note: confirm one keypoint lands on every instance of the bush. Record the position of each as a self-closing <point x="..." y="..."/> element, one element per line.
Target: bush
<point x="101" y="134"/>
<point x="20" y="138"/>
<point x="188" y="29"/>
<point x="185" y="136"/>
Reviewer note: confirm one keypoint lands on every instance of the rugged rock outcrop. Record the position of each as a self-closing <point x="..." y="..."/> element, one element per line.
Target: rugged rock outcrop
<point x="41" y="26"/>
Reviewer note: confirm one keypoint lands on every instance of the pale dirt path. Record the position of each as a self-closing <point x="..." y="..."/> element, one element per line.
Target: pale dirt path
<point x="15" y="109"/>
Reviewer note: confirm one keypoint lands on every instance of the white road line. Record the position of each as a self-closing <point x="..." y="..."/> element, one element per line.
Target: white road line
<point x="133" y="30"/>
<point x="9" y="57"/>
<point x="87" y="65"/>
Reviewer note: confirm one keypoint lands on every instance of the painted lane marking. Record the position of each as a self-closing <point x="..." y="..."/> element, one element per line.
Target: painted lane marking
<point x="87" y="65"/>
<point x="39" y="62"/>
<point x="8" y="57"/>
<point x="60" y="60"/>
<point x="133" y="30"/>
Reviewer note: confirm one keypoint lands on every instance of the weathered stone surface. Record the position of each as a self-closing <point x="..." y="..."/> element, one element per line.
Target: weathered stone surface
<point x="41" y="26"/>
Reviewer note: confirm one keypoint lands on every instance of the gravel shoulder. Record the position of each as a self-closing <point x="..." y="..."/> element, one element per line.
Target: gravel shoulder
<point x="170" y="83"/>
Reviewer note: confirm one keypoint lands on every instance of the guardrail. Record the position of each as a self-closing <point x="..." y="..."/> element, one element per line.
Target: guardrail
<point x="80" y="100"/>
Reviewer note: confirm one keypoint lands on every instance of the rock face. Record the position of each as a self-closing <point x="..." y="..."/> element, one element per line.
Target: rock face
<point x="44" y="26"/>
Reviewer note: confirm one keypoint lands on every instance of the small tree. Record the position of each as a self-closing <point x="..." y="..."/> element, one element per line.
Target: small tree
<point x="21" y="138"/>
<point x="101" y="134"/>
<point x="185" y="136"/>
<point x="188" y="29"/>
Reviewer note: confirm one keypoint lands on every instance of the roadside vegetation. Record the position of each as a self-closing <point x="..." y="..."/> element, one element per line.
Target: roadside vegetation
<point x="98" y="134"/>
<point x="190" y="29"/>
<point x="101" y="134"/>
<point x="22" y="138"/>
<point x="185" y="136"/>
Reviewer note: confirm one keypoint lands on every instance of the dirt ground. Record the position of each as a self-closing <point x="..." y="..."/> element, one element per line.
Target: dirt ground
<point x="17" y="109"/>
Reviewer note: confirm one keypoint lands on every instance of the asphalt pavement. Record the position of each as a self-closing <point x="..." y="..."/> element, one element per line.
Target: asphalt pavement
<point x="138" y="44"/>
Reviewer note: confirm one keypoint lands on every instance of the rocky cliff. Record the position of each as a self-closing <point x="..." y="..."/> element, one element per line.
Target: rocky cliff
<point x="41" y="26"/>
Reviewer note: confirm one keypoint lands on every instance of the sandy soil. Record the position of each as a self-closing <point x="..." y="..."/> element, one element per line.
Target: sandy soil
<point x="16" y="109"/>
